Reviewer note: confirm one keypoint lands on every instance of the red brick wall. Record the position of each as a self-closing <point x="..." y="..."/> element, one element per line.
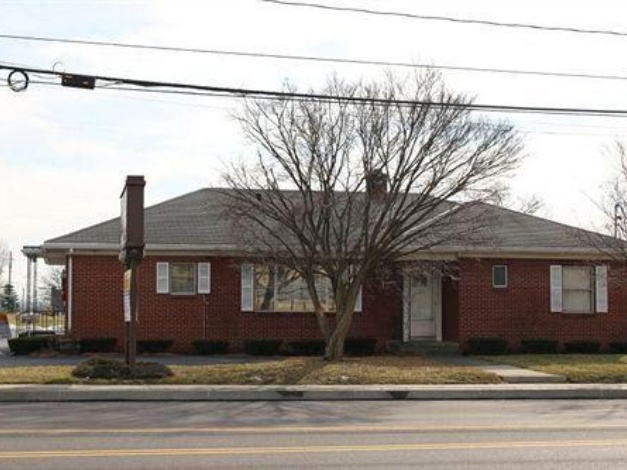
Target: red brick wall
<point x="98" y="312"/>
<point x="450" y="309"/>
<point x="522" y="310"/>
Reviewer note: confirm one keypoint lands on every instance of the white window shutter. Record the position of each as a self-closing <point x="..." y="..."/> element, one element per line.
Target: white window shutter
<point x="163" y="278"/>
<point x="248" y="285"/>
<point x="358" y="301"/>
<point x="556" y="288"/>
<point x="204" y="278"/>
<point x="601" y="288"/>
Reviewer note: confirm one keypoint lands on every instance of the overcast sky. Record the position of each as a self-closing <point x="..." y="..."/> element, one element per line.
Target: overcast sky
<point x="64" y="153"/>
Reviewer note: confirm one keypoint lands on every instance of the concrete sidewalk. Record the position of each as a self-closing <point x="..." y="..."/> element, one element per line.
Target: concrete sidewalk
<point x="509" y="374"/>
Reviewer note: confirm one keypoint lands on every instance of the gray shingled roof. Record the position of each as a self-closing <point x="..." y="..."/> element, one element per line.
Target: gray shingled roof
<point x="195" y="218"/>
<point x="198" y="218"/>
<point x="509" y="229"/>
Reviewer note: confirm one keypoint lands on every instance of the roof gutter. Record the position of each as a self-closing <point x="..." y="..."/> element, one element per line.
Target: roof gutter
<point x="49" y="250"/>
<point x="149" y="246"/>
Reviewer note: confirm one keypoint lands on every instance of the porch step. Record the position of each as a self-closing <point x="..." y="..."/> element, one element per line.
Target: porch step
<point x="423" y="348"/>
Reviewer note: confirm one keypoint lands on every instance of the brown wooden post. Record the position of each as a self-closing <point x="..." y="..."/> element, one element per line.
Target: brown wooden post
<point x="131" y="253"/>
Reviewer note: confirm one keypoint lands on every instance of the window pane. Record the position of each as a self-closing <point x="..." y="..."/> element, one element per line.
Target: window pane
<point x="264" y="288"/>
<point x="182" y="278"/>
<point x="578" y="277"/>
<point x="577" y="301"/>
<point x="499" y="276"/>
<point x="325" y="293"/>
<point x="280" y="289"/>
<point x="292" y="295"/>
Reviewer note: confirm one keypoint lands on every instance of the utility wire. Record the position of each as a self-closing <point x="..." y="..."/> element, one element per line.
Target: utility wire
<point x="308" y="58"/>
<point x="211" y="90"/>
<point x="554" y="130"/>
<point x="500" y="24"/>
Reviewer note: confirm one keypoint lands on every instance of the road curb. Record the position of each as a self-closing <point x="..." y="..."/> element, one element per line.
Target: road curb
<point x="87" y="393"/>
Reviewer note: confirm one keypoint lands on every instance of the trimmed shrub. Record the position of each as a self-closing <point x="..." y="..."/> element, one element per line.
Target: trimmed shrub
<point x="30" y="344"/>
<point x="203" y="346"/>
<point x="314" y="347"/>
<point x="360" y="346"/>
<point x="154" y="345"/>
<point x="97" y="345"/>
<point x="108" y="368"/>
<point x="619" y="347"/>
<point x="68" y="345"/>
<point x="582" y="347"/>
<point x="487" y="346"/>
<point x="540" y="346"/>
<point x="262" y="347"/>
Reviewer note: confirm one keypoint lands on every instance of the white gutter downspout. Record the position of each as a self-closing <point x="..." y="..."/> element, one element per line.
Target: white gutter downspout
<point x="70" y="291"/>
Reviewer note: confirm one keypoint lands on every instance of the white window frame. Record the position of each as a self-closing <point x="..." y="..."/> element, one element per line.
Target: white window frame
<point x="506" y="269"/>
<point x="249" y="292"/>
<point x="591" y="290"/>
<point x="194" y="281"/>
<point x="202" y="278"/>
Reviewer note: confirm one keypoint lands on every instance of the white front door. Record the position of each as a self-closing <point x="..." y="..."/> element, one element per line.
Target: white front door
<point x="423" y="312"/>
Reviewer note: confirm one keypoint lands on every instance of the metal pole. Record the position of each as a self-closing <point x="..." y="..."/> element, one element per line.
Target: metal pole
<point x="35" y="306"/>
<point x="10" y="266"/>
<point x="28" y="284"/>
<point x="132" y="333"/>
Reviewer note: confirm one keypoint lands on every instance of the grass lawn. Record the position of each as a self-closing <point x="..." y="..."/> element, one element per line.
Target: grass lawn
<point x="291" y="371"/>
<point x="578" y="368"/>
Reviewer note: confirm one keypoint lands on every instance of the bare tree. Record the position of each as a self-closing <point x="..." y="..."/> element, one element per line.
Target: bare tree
<point x="52" y="284"/>
<point x="530" y="204"/>
<point x="4" y="258"/>
<point x="615" y="204"/>
<point x="342" y="188"/>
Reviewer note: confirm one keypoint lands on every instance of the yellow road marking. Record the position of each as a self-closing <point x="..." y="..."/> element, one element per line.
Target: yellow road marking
<point x="190" y="452"/>
<point x="311" y="429"/>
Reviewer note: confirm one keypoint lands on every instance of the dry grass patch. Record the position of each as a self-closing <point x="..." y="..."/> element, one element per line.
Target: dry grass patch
<point x="394" y="370"/>
<point x="290" y="371"/>
<point x="274" y="372"/>
<point x="311" y="371"/>
<point x="578" y="368"/>
<point x="37" y="375"/>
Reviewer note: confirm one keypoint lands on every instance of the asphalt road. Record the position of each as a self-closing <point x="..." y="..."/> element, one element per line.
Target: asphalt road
<point x="398" y="434"/>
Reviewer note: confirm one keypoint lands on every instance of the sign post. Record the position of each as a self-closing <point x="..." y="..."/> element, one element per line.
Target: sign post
<point x="131" y="253"/>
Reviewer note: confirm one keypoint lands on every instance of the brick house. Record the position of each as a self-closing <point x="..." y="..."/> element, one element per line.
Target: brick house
<point x="536" y="279"/>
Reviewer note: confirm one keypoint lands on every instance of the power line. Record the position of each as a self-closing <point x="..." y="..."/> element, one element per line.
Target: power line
<point x="309" y="58"/>
<point x="545" y="128"/>
<point x="500" y="24"/>
<point x="211" y="90"/>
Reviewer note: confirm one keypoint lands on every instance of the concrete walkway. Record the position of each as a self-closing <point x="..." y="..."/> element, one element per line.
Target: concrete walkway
<point x="509" y="374"/>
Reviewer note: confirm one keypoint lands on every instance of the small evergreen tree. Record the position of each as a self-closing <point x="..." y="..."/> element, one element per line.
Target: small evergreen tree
<point x="8" y="298"/>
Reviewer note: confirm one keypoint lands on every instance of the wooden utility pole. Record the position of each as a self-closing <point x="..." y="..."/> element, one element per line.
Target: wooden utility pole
<point x="131" y="253"/>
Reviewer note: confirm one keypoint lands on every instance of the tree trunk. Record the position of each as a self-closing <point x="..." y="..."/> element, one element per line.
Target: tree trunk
<point x="323" y="324"/>
<point x="335" y="344"/>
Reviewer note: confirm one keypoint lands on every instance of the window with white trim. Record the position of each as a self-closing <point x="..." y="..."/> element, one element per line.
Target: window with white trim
<point x="279" y="289"/>
<point x="183" y="278"/>
<point x="499" y="276"/>
<point x="577" y="289"/>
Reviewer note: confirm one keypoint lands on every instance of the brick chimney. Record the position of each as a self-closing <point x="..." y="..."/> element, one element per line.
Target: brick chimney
<point x="377" y="184"/>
